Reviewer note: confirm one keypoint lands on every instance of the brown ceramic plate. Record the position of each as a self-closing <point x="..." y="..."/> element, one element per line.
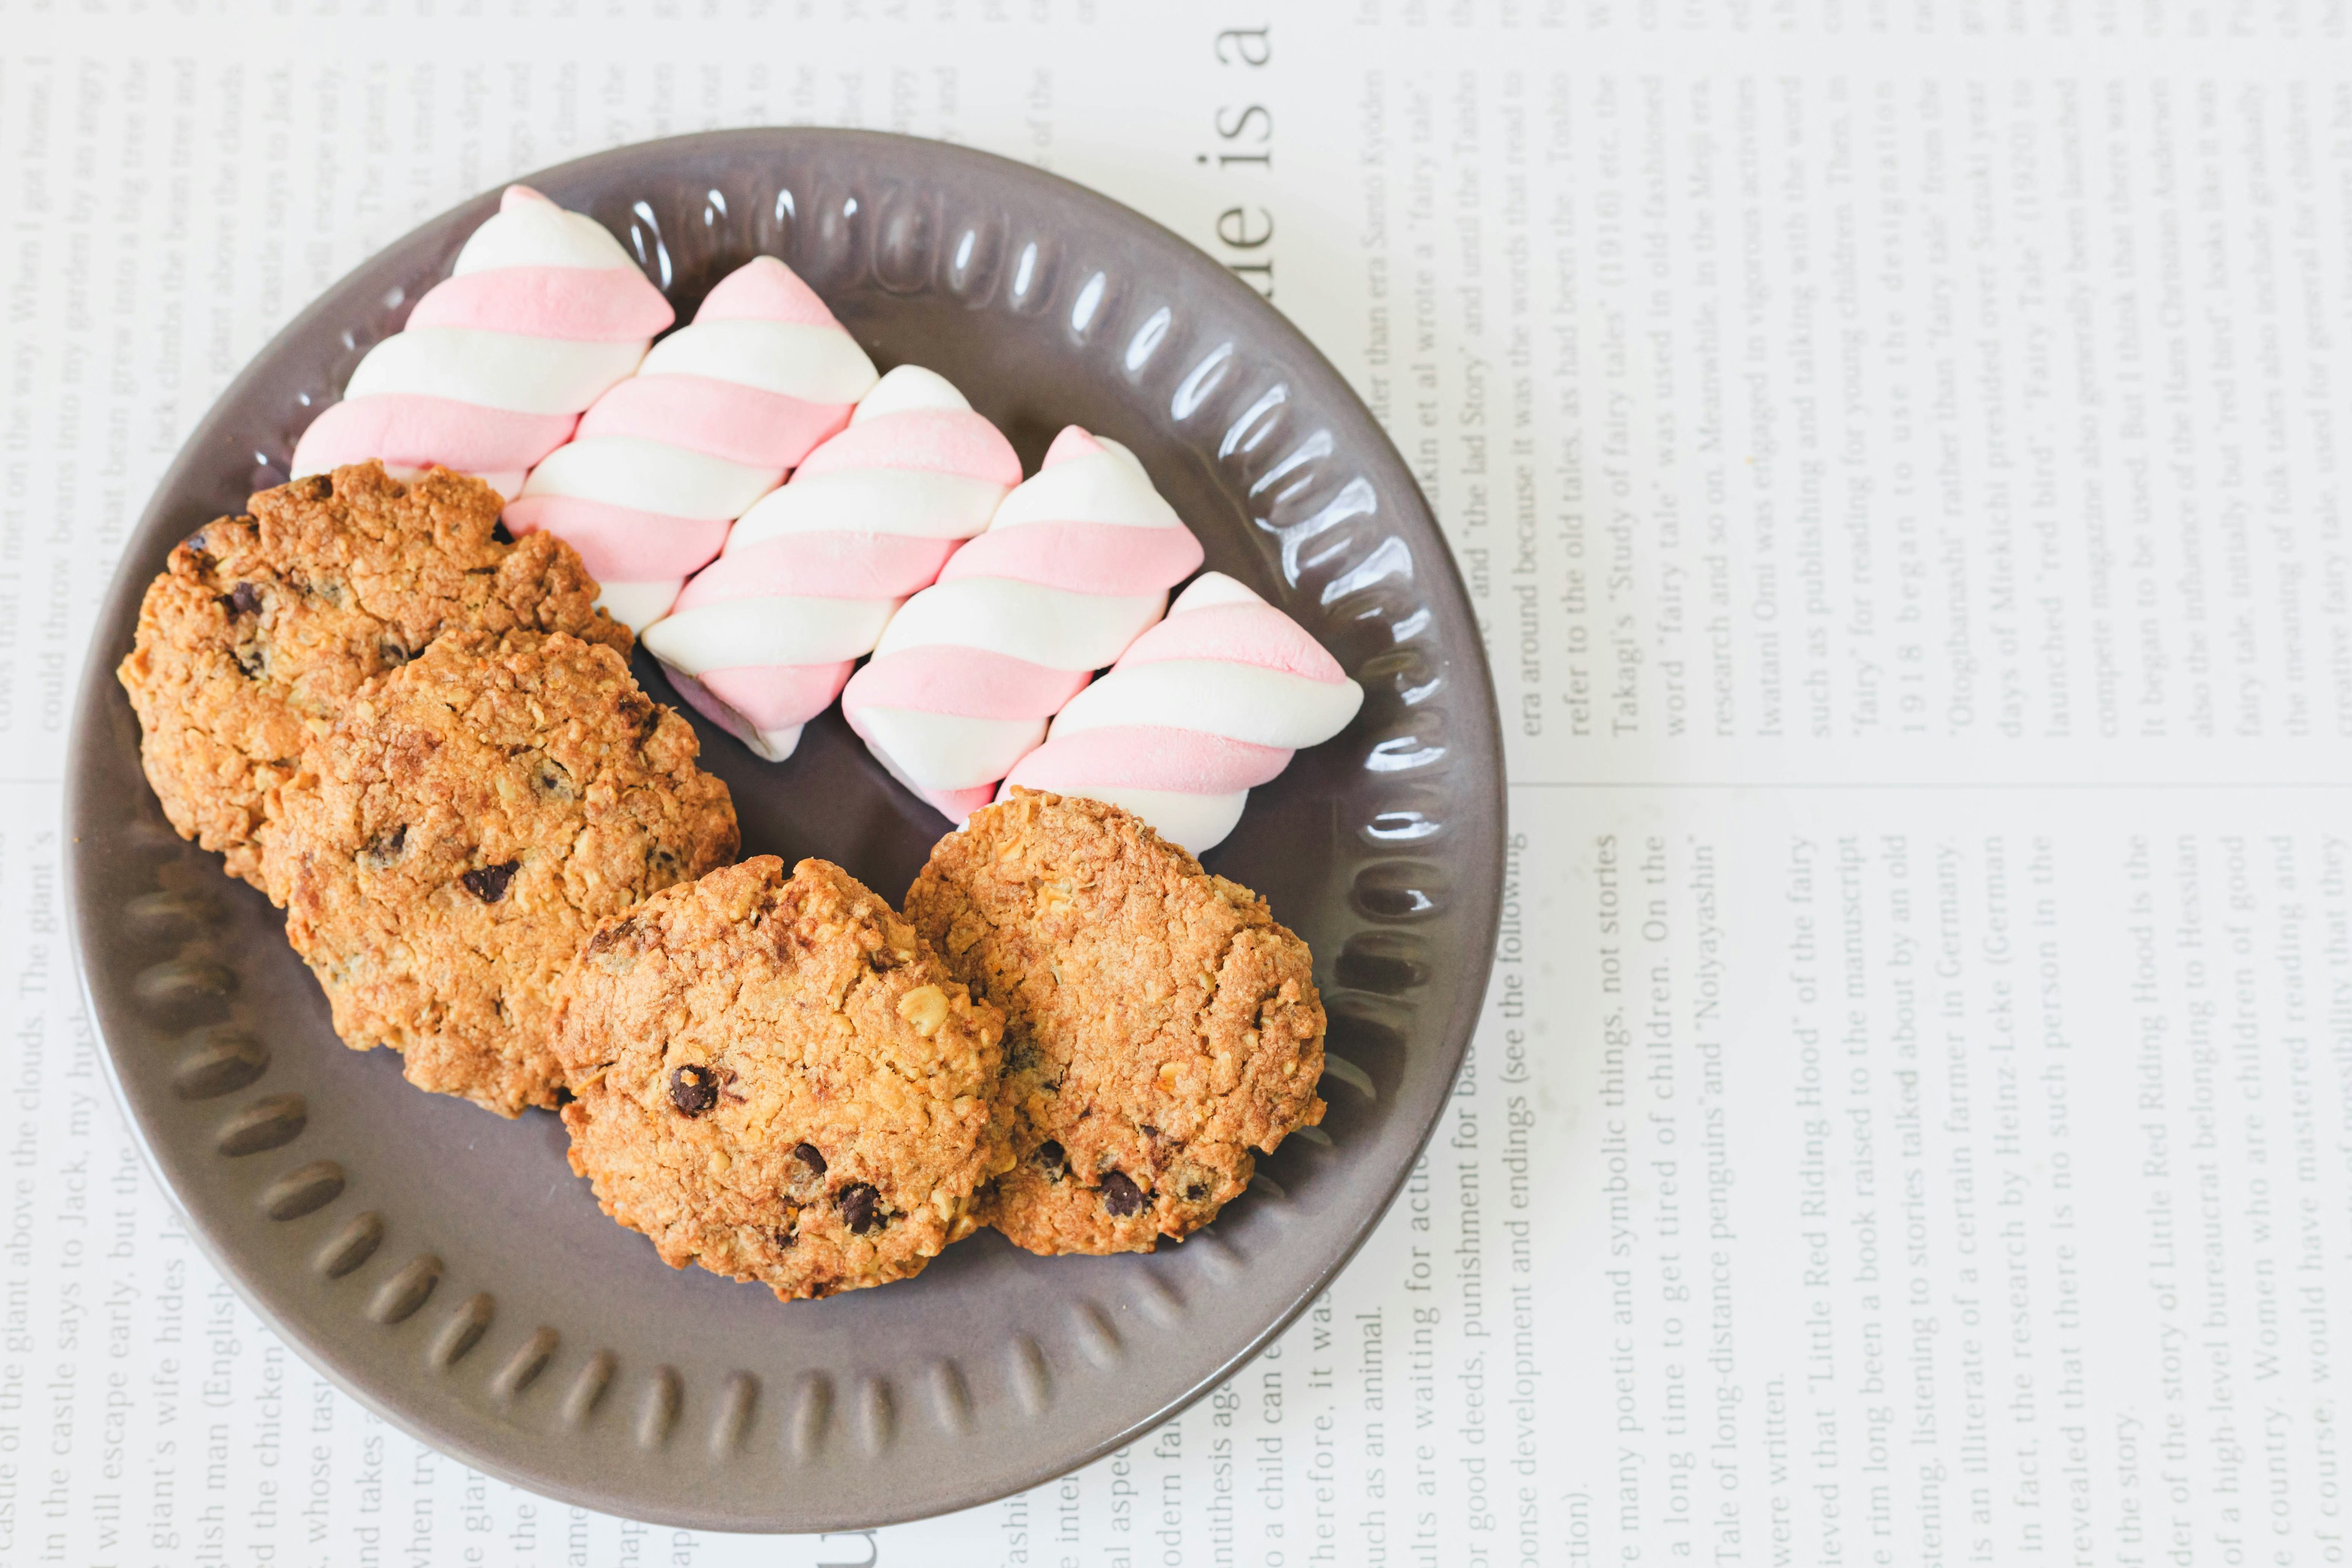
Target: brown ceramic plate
<point x="447" y="1270"/>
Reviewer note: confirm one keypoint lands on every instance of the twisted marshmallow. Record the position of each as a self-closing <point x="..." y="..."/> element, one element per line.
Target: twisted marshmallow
<point x="541" y="313"/>
<point x="667" y="459"/>
<point x="762" y="640"/>
<point x="1208" y="704"/>
<point x="1075" y="563"/>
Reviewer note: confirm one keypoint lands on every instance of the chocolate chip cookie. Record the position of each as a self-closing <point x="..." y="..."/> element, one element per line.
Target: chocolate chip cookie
<point x="444" y="851"/>
<point x="779" y="1080"/>
<point x="1158" y="1024"/>
<point x="262" y="626"/>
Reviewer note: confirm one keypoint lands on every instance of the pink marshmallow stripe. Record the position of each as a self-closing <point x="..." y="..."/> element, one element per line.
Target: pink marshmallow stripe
<point x="1237" y="633"/>
<point x="970" y="682"/>
<point x="1073" y="442"/>
<point x="929" y="441"/>
<point x="1147" y="756"/>
<point x="620" y="543"/>
<point x="828" y="566"/>
<point x="578" y="304"/>
<point x="746" y="424"/>
<point x="1101" y="558"/>
<point x="706" y="704"/>
<point x="764" y="289"/>
<point x="955" y="805"/>
<point x="412" y="431"/>
<point x="771" y="696"/>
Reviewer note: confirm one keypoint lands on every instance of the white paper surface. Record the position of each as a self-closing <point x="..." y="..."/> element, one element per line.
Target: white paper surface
<point x="1898" y="456"/>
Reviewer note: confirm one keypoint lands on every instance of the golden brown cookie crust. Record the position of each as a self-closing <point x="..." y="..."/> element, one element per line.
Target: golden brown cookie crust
<point x="777" y="1079"/>
<point x="1159" y="1025"/>
<point x="261" y="628"/>
<point x="448" y="846"/>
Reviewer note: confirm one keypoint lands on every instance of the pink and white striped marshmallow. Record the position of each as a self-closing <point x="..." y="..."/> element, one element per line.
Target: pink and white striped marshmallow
<point x="718" y="413"/>
<point x="541" y="311"/>
<point x="763" y="638"/>
<point x="1075" y="563"/>
<point x="1208" y="704"/>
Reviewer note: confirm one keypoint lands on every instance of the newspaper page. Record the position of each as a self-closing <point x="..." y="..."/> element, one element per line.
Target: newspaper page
<point x="1896" y="454"/>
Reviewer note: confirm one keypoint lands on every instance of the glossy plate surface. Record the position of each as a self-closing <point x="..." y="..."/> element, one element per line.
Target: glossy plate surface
<point x="446" y="1266"/>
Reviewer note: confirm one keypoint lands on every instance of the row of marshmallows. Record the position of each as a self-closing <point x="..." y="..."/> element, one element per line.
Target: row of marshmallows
<point x="906" y="531"/>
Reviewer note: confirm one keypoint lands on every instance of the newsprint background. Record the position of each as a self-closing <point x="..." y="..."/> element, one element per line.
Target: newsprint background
<point x="1899" y="454"/>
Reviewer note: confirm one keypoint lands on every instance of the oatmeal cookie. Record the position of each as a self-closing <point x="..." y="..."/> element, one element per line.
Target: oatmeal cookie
<point x="444" y="851"/>
<point x="1158" y="1024"/>
<point x="777" y="1079"/>
<point x="261" y="628"/>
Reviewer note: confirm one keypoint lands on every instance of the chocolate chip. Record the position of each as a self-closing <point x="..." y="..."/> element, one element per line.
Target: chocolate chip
<point x="498" y="532"/>
<point x="640" y="712"/>
<point x="1120" y="1196"/>
<point x="807" y="1155"/>
<point x="612" y="935"/>
<point x="1195" y="1193"/>
<point x="1050" y="1158"/>
<point x="488" y="883"/>
<point x="385" y="848"/>
<point x="321" y="486"/>
<point x="857" y="1206"/>
<point x="245" y="599"/>
<point x="195" y="543"/>
<point x="693" y="1090"/>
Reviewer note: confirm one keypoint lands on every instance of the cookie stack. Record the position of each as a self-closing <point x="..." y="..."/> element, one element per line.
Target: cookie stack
<point x="423" y="743"/>
<point x="500" y="858"/>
